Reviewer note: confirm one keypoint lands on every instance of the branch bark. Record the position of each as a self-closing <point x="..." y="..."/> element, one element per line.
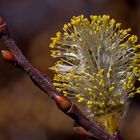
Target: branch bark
<point x="15" y="57"/>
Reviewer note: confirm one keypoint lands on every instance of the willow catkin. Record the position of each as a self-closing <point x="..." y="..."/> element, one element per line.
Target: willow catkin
<point x="98" y="66"/>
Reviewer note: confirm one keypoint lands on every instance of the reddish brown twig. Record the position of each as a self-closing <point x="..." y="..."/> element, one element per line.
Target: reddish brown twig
<point x="14" y="56"/>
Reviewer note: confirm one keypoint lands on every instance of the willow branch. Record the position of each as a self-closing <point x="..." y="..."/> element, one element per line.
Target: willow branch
<point x="15" y="57"/>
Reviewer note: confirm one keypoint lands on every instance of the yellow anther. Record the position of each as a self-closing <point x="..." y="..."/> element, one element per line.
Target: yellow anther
<point x="124" y="45"/>
<point x="100" y="73"/>
<point x="66" y="85"/>
<point x="59" y="89"/>
<point x="79" y="78"/>
<point x="105" y="17"/>
<point x="131" y="95"/>
<point x="80" y="100"/>
<point x="108" y="74"/>
<point x="65" y="93"/>
<point x="68" y="78"/>
<point x="101" y="94"/>
<point x="51" y="46"/>
<point x="58" y="34"/>
<point x="124" y="32"/>
<point x="110" y="69"/>
<point x="111" y="88"/>
<point x="133" y="38"/>
<point x="65" y="27"/>
<point x="89" y="103"/>
<point x="113" y="103"/>
<point x="96" y="102"/>
<point x="83" y="71"/>
<point x="78" y="96"/>
<point x="117" y="95"/>
<point x="57" y="84"/>
<point x="138" y="90"/>
<point x="91" y="79"/>
<point x="88" y="89"/>
<point x="136" y="48"/>
<point x="101" y="83"/>
<point x="122" y="102"/>
<point x="130" y="78"/>
<point x="95" y="87"/>
<point x="118" y="25"/>
<point x="78" y="84"/>
<point x="69" y="24"/>
<point x="101" y="111"/>
<point x="112" y="22"/>
<point x="124" y="85"/>
<point x="94" y="18"/>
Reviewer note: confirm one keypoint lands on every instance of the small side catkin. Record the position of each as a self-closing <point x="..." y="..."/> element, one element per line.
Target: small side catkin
<point x="99" y="64"/>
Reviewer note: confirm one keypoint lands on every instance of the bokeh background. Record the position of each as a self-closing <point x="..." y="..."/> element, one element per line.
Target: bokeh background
<point x="26" y="113"/>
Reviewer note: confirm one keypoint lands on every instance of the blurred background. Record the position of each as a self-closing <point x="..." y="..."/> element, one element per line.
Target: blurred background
<point x="26" y="113"/>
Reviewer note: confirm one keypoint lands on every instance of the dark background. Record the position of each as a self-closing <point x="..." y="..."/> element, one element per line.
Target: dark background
<point x="26" y="113"/>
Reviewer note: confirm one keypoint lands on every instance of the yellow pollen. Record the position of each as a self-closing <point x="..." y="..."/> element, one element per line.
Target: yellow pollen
<point x="111" y="88"/>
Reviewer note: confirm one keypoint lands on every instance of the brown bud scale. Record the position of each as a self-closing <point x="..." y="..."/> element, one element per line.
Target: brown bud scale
<point x="7" y="55"/>
<point x="62" y="102"/>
